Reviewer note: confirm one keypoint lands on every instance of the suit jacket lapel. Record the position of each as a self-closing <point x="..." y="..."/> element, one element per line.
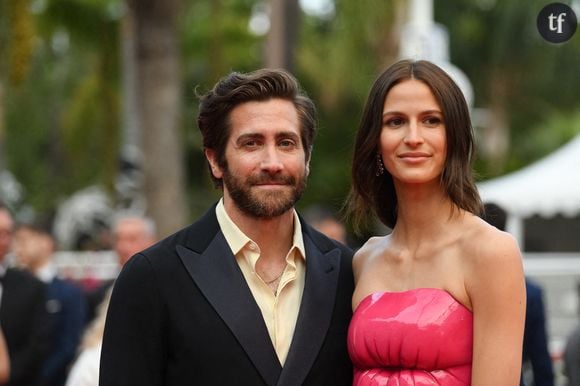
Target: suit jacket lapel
<point x="315" y="313"/>
<point x="221" y="281"/>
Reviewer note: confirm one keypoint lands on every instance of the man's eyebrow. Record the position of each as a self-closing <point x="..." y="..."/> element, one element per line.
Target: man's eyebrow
<point x="247" y="136"/>
<point x="287" y="134"/>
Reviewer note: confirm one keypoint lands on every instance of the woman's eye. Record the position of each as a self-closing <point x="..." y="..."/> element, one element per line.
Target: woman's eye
<point x="432" y="121"/>
<point x="393" y="122"/>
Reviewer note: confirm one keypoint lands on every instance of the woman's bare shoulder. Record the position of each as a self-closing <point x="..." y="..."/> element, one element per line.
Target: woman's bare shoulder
<point x="485" y="243"/>
<point x="491" y="255"/>
<point x="373" y="247"/>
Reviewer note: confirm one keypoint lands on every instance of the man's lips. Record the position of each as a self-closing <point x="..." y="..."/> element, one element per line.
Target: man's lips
<point x="271" y="184"/>
<point x="265" y="181"/>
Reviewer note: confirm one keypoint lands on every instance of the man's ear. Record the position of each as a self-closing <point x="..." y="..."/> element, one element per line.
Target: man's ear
<point x="213" y="163"/>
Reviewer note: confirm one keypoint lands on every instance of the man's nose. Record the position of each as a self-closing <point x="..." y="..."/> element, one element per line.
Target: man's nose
<point x="271" y="160"/>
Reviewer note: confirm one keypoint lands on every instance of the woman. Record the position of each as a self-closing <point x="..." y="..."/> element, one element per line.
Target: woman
<point x="441" y="300"/>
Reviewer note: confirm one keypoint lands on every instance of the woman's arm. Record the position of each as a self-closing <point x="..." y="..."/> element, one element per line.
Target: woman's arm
<point x="496" y="287"/>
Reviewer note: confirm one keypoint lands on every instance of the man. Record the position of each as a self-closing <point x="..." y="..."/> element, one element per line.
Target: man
<point x="249" y="294"/>
<point x="34" y="247"/>
<point x="132" y="233"/>
<point x="23" y="317"/>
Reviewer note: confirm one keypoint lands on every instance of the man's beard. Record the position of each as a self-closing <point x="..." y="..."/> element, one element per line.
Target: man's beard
<point x="266" y="204"/>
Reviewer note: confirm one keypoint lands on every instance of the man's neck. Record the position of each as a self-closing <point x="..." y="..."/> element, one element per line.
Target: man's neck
<point x="274" y="236"/>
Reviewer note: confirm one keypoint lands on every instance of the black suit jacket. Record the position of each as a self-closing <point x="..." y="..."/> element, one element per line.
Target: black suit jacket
<point x="25" y="325"/>
<point x="181" y="313"/>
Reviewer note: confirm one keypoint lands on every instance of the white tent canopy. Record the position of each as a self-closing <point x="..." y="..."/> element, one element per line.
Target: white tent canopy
<point x="547" y="187"/>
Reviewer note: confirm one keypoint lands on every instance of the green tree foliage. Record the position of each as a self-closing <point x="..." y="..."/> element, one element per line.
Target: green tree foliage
<point x="62" y="120"/>
<point x="20" y="39"/>
<point x="516" y="73"/>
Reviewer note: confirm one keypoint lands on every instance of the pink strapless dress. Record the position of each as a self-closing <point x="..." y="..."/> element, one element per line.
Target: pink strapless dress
<point x="420" y="337"/>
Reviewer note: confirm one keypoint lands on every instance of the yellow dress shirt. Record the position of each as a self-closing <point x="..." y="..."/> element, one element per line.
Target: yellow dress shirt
<point x="280" y="310"/>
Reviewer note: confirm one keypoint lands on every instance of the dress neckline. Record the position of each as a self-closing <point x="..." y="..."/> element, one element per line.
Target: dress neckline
<point x="402" y="292"/>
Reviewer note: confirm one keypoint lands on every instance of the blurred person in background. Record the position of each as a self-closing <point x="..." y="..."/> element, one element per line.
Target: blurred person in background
<point x="249" y="294"/>
<point x="326" y="222"/>
<point x="535" y="352"/>
<point x="571" y="356"/>
<point x="85" y="371"/>
<point x="23" y="316"/>
<point x="34" y="248"/>
<point x="131" y="233"/>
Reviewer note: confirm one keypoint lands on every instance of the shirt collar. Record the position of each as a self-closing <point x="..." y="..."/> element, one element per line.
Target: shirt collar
<point x="237" y="239"/>
<point x="46" y="273"/>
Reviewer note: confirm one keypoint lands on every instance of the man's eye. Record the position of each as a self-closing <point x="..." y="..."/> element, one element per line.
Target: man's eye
<point x="250" y="143"/>
<point x="287" y="143"/>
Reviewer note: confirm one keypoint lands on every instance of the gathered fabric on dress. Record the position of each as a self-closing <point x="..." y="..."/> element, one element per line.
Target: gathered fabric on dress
<point x="419" y="337"/>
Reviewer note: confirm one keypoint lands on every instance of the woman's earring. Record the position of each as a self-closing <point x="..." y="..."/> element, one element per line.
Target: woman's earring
<point x="380" y="167"/>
